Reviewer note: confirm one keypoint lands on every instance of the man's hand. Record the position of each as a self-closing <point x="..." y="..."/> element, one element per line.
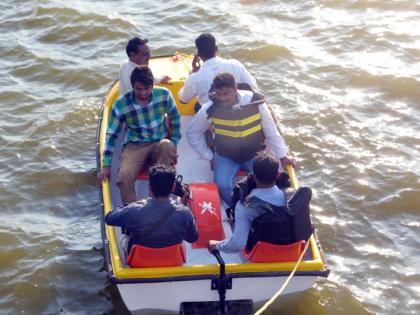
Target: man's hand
<point x="288" y="160"/>
<point x="185" y="194"/>
<point x="196" y="63"/>
<point x="165" y="79"/>
<point x="211" y="246"/>
<point x="104" y="174"/>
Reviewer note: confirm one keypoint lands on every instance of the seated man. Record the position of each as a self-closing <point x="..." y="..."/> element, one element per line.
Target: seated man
<point x="142" y="111"/>
<point x="138" y="53"/>
<point x="199" y="82"/>
<point x="241" y="126"/>
<point x="158" y="221"/>
<point x="267" y="193"/>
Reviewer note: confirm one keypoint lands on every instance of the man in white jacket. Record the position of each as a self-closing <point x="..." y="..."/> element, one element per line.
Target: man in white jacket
<point x="242" y="125"/>
<point x="199" y="81"/>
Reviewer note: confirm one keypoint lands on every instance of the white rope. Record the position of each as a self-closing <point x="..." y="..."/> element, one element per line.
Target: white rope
<point x="280" y="291"/>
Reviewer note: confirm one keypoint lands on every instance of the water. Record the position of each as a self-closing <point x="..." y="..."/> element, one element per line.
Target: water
<point x="344" y="76"/>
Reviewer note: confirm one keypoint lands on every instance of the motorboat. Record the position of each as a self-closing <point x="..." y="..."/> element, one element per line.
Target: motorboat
<point x="200" y="277"/>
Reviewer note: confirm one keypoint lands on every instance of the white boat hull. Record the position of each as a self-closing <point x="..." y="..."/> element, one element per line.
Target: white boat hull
<point x="168" y="296"/>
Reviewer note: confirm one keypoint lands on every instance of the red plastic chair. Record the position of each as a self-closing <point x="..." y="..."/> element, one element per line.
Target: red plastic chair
<point x="147" y="257"/>
<point x="266" y="253"/>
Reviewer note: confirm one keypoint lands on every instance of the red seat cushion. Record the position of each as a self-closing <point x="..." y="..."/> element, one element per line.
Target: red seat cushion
<point x="146" y="257"/>
<point x="264" y="252"/>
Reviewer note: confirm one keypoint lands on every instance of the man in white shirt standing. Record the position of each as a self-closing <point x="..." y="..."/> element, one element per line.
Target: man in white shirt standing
<point x="242" y="125"/>
<point x="138" y="53"/>
<point x="199" y="81"/>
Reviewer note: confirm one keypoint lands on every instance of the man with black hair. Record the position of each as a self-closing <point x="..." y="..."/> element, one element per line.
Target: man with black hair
<point x="265" y="172"/>
<point x="157" y="221"/>
<point x="199" y="81"/>
<point x="242" y="125"/>
<point x="142" y="111"/>
<point x="138" y="53"/>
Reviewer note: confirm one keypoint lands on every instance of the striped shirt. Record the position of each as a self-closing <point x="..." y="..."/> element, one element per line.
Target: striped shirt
<point x="145" y="123"/>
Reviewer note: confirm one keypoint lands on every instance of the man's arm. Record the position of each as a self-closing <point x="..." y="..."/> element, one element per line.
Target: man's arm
<point x="120" y="216"/>
<point x="271" y="132"/>
<point x="188" y="91"/>
<point x="124" y="79"/>
<point x="195" y="134"/>
<point x="192" y="234"/>
<point x="174" y="120"/>
<point x="114" y="128"/>
<point x="243" y="221"/>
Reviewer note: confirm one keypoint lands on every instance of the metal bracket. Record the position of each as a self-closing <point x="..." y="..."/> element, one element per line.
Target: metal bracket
<point x="215" y="284"/>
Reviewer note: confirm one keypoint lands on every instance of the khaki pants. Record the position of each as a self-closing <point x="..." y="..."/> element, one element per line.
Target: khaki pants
<point x="135" y="157"/>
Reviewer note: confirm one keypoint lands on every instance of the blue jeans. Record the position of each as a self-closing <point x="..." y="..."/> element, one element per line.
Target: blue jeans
<point x="224" y="172"/>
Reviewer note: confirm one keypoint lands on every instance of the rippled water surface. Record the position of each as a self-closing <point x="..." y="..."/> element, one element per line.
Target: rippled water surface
<point x="344" y="77"/>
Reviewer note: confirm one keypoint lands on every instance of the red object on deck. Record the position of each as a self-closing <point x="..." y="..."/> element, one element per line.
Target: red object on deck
<point x="266" y="253"/>
<point x="147" y="257"/>
<point x="143" y="174"/>
<point x="241" y="172"/>
<point x="205" y="205"/>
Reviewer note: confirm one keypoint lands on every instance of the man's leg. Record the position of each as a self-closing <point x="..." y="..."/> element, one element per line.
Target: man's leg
<point x="224" y="172"/>
<point x="133" y="158"/>
<point x="164" y="152"/>
<point x="248" y="165"/>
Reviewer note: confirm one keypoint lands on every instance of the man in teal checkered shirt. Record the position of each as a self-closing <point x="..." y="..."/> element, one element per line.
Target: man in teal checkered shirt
<point x="146" y="112"/>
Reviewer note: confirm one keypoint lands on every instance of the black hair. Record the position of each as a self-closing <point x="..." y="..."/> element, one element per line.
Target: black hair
<point x="133" y="45"/>
<point x="265" y="168"/>
<point x="142" y="74"/>
<point x="224" y="79"/>
<point x="161" y="180"/>
<point x="206" y="46"/>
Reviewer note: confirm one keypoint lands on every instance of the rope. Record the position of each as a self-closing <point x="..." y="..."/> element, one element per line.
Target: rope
<point x="280" y="291"/>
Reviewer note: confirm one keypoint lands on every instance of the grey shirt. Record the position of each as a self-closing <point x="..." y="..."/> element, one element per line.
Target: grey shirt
<point x="244" y="217"/>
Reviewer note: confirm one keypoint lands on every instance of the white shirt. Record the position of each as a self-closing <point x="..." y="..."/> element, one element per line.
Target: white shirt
<point x="200" y="123"/>
<point x="198" y="84"/>
<point x="126" y="69"/>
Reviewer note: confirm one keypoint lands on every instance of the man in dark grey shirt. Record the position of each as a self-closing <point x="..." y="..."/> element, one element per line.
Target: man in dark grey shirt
<point x="158" y="221"/>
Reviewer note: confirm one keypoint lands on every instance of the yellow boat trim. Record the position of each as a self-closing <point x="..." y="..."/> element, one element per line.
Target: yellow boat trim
<point x="237" y="123"/>
<point x="121" y="272"/>
<point x="237" y="134"/>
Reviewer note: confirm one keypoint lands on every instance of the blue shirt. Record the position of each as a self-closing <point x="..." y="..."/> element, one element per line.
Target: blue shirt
<point x="244" y="217"/>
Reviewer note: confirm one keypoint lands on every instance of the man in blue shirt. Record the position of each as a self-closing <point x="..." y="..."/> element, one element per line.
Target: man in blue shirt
<point x="265" y="170"/>
<point x="158" y="221"/>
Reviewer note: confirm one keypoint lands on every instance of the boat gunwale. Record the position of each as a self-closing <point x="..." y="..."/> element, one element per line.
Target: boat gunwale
<point x="241" y="275"/>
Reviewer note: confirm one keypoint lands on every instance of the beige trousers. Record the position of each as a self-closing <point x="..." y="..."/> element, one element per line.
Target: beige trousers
<point x="135" y="157"/>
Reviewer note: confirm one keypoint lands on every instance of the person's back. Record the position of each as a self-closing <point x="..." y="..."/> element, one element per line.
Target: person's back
<point x="199" y="82"/>
<point x="265" y="168"/>
<point x="156" y="222"/>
